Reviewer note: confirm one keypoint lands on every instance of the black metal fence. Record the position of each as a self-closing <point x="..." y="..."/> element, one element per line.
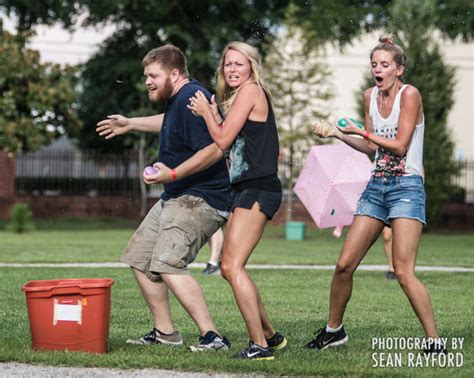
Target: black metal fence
<point x="465" y="181"/>
<point x="69" y="172"/>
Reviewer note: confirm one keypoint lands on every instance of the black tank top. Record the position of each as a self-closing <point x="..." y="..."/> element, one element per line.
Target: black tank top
<point x="254" y="155"/>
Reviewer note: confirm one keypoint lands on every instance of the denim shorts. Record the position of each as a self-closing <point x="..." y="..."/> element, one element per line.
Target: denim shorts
<point x="387" y="198"/>
<point x="269" y="201"/>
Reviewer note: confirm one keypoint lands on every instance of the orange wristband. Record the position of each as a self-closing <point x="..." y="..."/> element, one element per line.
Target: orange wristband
<point x="366" y="134"/>
<point x="174" y="177"/>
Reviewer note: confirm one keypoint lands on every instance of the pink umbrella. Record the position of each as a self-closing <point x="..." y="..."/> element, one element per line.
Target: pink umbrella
<point x="331" y="182"/>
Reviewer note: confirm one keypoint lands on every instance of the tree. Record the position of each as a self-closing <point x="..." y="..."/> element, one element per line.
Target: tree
<point x="299" y="82"/>
<point x="342" y="20"/>
<point x="434" y="79"/>
<point x="338" y="21"/>
<point x="109" y="80"/>
<point x="37" y="102"/>
<point x="201" y="29"/>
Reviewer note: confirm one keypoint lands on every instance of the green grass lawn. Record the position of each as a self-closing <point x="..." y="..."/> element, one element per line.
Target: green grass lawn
<point x="103" y="241"/>
<point x="297" y="301"/>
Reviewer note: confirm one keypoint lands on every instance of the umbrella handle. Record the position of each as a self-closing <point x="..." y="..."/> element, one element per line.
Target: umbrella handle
<point x="338" y="231"/>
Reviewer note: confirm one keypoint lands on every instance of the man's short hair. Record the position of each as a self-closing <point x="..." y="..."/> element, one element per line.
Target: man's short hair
<point x="169" y="57"/>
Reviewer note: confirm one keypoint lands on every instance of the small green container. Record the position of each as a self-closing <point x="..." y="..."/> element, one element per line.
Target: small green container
<point x="295" y="230"/>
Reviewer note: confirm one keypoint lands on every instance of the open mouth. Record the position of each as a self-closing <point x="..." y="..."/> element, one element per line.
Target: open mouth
<point x="378" y="79"/>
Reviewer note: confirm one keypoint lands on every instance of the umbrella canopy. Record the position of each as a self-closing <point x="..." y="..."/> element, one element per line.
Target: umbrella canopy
<point x="331" y="182"/>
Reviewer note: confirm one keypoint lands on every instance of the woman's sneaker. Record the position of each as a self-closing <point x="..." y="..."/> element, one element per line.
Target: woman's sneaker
<point x="324" y="339"/>
<point x="211" y="341"/>
<point x="435" y="347"/>
<point x="277" y="342"/>
<point x="255" y="352"/>
<point x="156" y="337"/>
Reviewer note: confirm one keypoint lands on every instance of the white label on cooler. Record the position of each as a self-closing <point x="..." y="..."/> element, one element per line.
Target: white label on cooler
<point x="67" y="312"/>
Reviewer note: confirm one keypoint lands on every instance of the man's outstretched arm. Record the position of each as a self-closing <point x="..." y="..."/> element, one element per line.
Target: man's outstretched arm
<point x="117" y="124"/>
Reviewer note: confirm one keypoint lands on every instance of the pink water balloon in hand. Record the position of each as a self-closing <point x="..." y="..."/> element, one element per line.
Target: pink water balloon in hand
<point x="150" y="170"/>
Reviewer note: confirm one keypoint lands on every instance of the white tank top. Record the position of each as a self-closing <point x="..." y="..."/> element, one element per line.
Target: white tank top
<point x="387" y="163"/>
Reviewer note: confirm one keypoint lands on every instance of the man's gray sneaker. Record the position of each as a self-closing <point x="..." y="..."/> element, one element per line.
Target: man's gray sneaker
<point x="156" y="337"/>
<point x="211" y="341"/>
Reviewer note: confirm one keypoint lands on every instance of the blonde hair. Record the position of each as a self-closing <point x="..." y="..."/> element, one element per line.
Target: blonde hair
<point x="226" y="94"/>
<point x="386" y="43"/>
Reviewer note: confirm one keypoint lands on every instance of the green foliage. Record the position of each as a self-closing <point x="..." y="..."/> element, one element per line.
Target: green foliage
<point x="453" y="18"/>
<point x="200" y="29"/>
<point x="37" y="102"/>
<point x="341" y="21"/>
<point x="298" y="81"/>
<point x="434" y="79"/>
<point x="20" y="219"/>
<point x="32" y="12"/>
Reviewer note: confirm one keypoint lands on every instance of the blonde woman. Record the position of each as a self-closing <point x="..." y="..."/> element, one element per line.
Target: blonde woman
<point x="249" y="133"/>
<point x="395" y="195"/>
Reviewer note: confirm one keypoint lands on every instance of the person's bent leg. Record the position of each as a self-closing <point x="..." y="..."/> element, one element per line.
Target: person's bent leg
<point x="237" y="250"/>
<point x="190" y="295"/>
<point x="406" y="238"/>
<point x="188" y="222"/>
<point x="362" y="234"/>
<point x="156" y="297"/>
<point x="137" y="254"/>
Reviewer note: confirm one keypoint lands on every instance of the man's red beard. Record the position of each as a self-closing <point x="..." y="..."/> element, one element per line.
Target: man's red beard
<point x="162" y="94"/>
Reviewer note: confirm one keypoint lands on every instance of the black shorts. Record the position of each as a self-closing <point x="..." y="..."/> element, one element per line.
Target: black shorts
<point x="269" y="201"/>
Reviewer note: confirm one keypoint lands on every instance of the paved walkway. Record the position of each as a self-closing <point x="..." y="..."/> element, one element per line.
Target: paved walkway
<point x="250" y="266"/>
<point x="15" y="369"/>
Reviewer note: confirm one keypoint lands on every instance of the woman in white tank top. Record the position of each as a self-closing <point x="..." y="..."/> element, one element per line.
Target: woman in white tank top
<point x="394" y="197"/>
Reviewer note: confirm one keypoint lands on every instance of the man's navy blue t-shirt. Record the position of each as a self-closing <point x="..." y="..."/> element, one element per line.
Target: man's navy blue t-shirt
<point x="182" y="135"/>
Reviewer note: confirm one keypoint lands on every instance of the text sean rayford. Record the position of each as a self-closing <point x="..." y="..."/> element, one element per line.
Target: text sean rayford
<point x="394" y="352"/>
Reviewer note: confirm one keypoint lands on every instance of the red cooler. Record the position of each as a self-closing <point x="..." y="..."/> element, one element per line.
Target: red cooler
<point x="69" y="314"/>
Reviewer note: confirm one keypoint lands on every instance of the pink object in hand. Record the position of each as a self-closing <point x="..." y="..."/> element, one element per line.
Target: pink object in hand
<point x="148" y="171"/>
